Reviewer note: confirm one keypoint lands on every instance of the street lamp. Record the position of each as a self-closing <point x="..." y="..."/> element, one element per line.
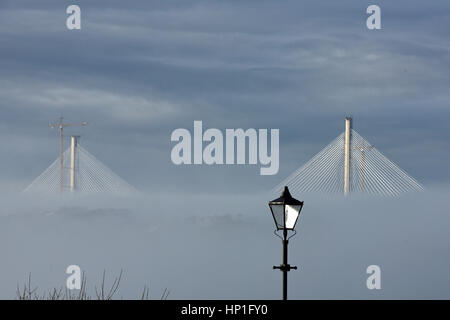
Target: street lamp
<point x="285" y="211"/>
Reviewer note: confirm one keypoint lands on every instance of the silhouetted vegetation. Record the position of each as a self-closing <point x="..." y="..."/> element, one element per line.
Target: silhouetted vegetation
<point x="102" y="292"/>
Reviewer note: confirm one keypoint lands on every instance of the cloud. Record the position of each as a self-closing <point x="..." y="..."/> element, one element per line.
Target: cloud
<point x="139" y="73"/>
<point x="167" y="242"/>
<point x="108" y="104"/>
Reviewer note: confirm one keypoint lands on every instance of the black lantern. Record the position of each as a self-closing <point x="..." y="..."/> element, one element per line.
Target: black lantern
<point x="285" y="211"/>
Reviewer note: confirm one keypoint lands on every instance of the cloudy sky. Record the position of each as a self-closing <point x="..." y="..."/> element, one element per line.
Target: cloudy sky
<point x="137" y="72"/>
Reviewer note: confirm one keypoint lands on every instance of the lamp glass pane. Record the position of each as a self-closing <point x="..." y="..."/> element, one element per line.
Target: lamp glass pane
<point x="292" y="213"/>
<point x="278" y="214"/>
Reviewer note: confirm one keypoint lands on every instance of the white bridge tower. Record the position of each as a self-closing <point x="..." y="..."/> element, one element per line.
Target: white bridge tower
<point x="350" y="164"/>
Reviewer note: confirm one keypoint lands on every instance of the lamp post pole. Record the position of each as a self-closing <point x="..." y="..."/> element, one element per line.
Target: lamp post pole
<point x="285" y="263"/>
<point x="285" y="212"/>
<point x="285" y="267"/>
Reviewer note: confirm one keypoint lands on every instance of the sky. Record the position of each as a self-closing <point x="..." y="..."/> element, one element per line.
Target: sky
<point x="138" y="71"/>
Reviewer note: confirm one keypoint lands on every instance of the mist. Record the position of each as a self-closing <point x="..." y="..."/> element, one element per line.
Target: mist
<point x="222" y="246"/>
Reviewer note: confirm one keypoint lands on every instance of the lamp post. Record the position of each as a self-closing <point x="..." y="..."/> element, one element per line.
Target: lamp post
<point x="285" y="211"/>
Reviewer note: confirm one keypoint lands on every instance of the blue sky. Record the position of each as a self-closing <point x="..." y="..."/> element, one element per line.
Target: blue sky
<point x="138" y="72"/>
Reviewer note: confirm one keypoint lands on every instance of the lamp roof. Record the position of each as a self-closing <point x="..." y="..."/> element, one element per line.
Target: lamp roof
<point x="286" y="198"/>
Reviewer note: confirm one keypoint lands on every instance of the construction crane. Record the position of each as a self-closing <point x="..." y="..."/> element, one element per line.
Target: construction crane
<point x="61" y="126"/>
